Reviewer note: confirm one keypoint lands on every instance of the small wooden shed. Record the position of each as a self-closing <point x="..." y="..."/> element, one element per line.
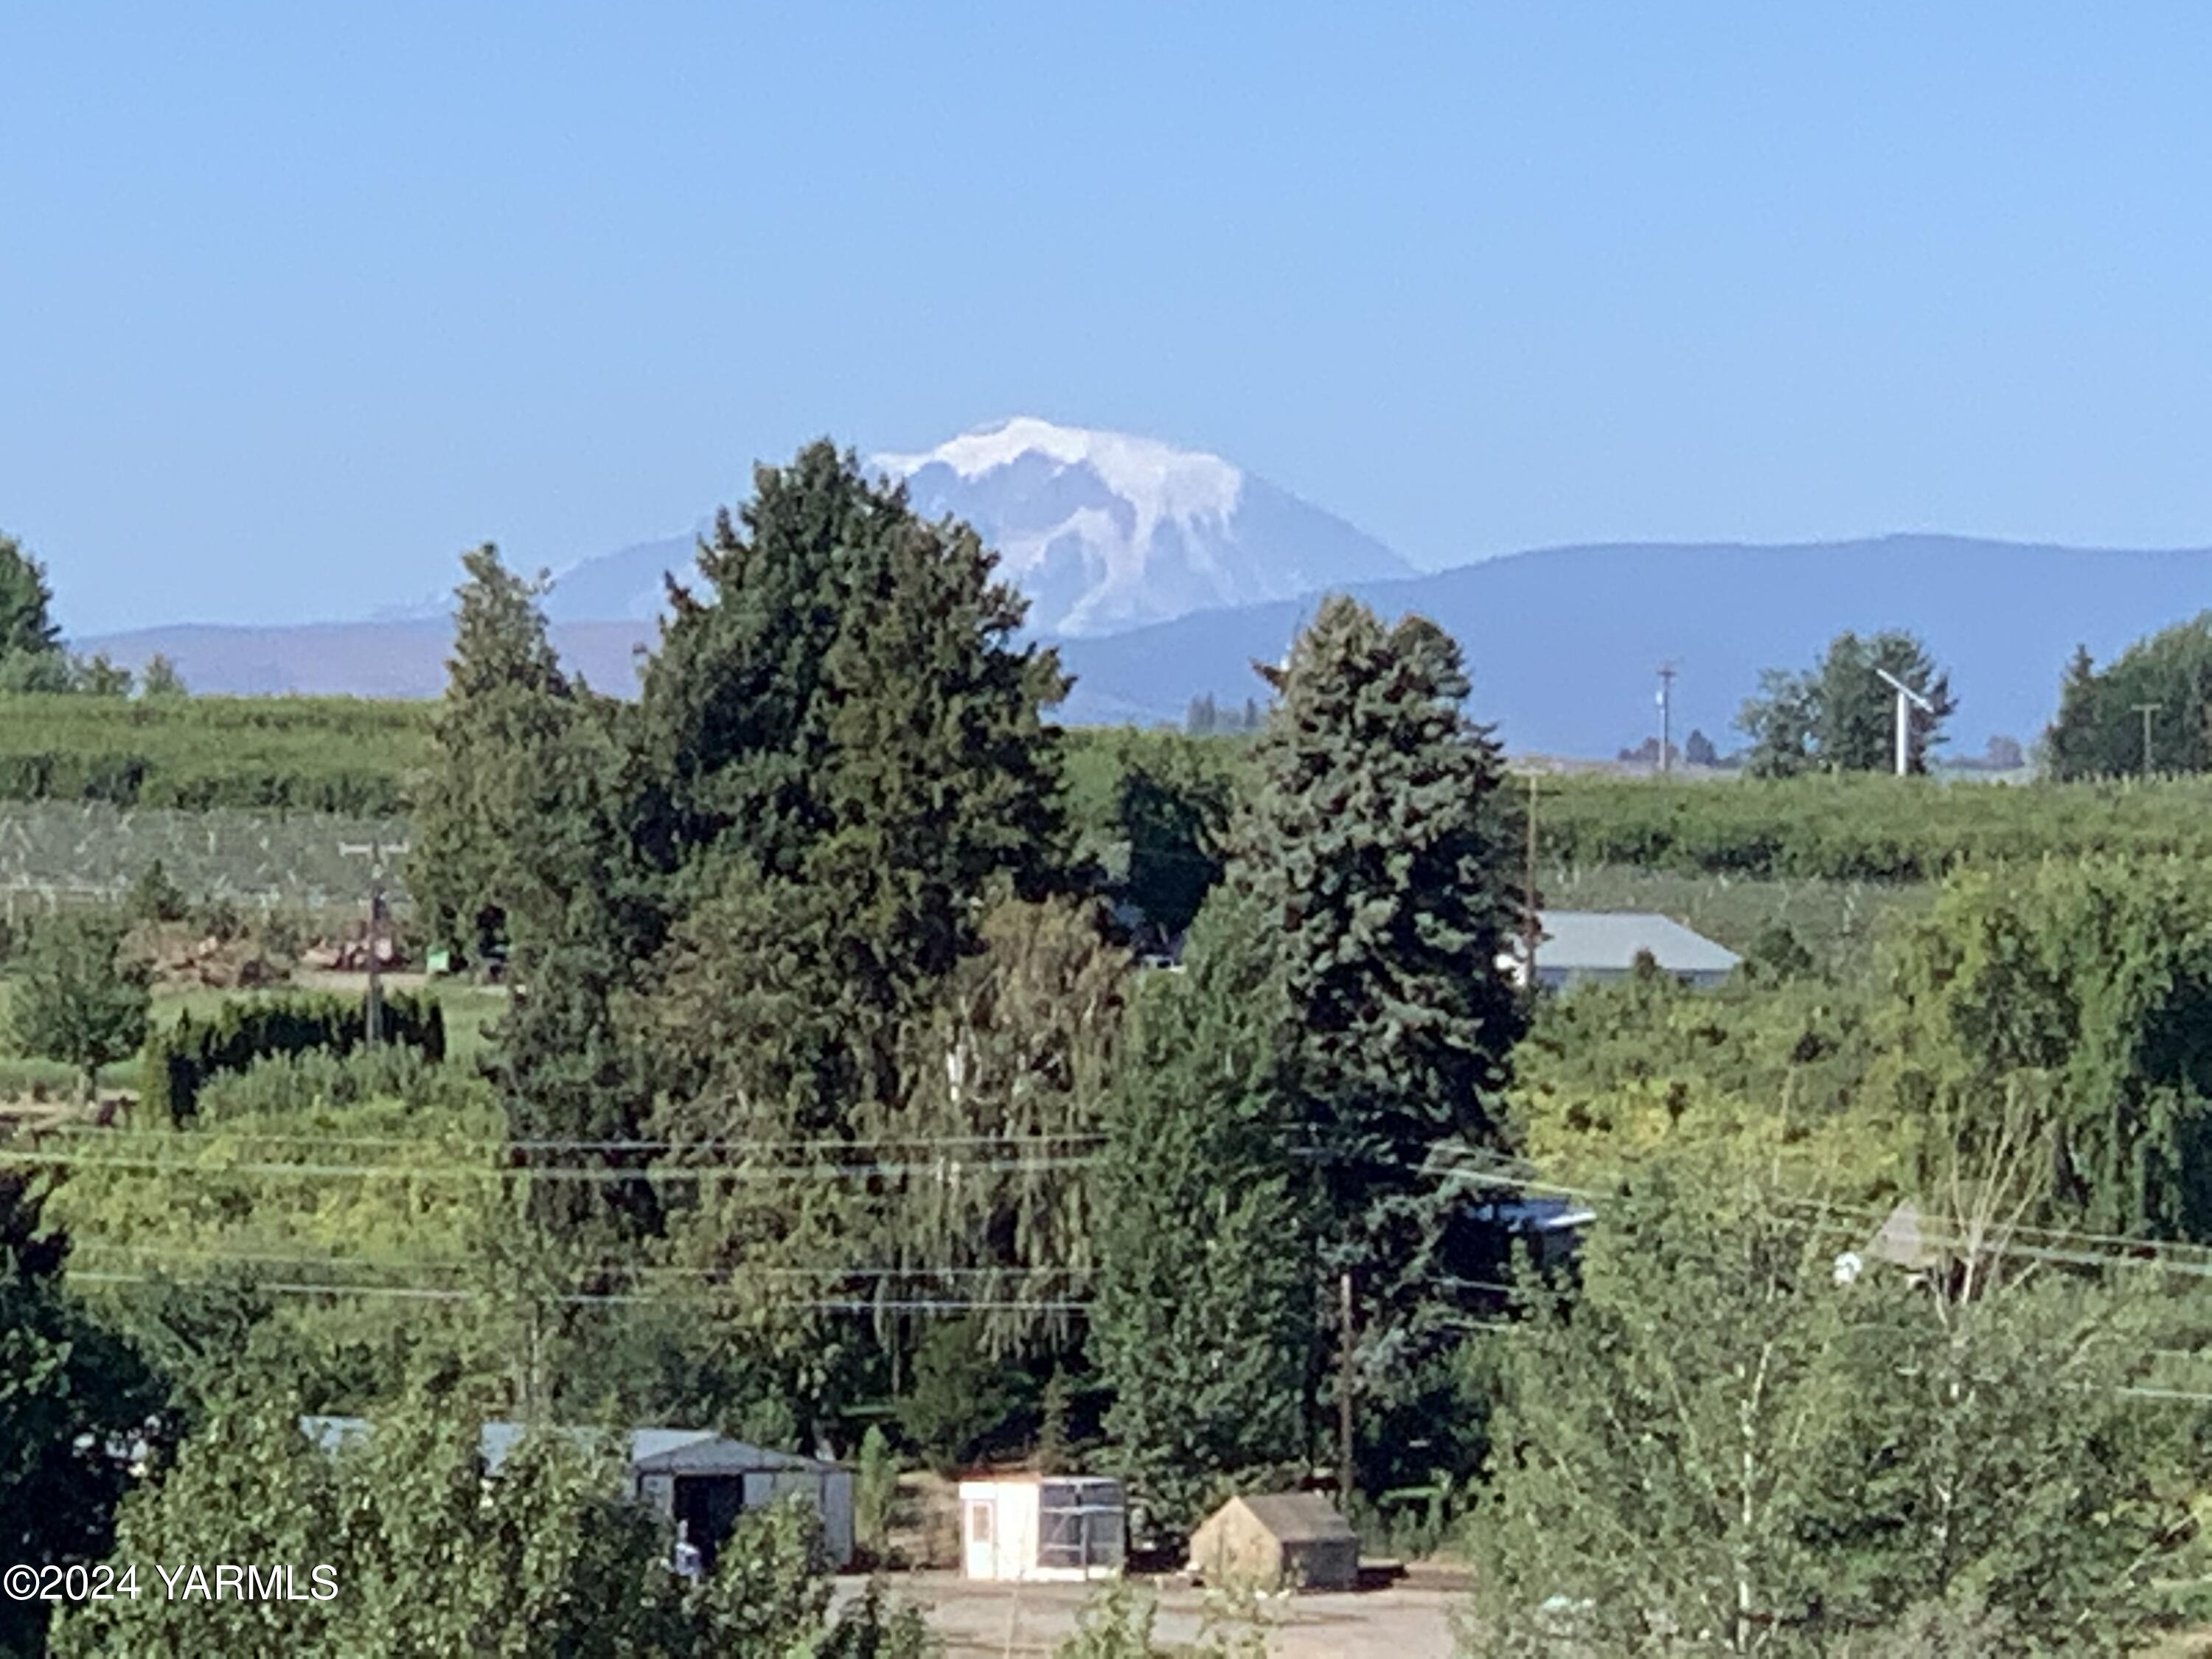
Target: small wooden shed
<point x="1278" y="1540"/>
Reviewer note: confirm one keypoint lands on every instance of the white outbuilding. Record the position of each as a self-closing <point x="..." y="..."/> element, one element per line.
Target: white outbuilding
<point x="1030" y="1527"/>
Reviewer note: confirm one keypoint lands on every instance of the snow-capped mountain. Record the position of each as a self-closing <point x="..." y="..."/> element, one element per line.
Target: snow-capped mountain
<point x="1104" y="531"/>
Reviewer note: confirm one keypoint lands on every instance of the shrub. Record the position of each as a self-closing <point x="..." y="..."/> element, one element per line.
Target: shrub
<point x="180" y="1060"/>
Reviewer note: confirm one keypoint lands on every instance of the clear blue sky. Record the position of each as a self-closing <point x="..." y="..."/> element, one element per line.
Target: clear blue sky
<point x="298" y="301"/>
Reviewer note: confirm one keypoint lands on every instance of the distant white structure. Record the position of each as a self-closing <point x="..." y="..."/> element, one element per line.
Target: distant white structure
<point x="1043" y="1526"/>
<point x="1579" y="946"/>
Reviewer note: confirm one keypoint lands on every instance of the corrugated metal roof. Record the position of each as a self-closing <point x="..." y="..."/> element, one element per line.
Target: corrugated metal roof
<point x="1607" y="941"/>
<point x="700" y="1451"/>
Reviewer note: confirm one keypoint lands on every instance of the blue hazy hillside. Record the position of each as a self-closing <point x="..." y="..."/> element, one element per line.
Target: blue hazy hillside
<point x="1564" y="642"/>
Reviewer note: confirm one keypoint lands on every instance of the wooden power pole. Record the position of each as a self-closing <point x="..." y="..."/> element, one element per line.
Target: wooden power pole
<point x="1666" y="717"/>
<point x="1343" y="1394"/>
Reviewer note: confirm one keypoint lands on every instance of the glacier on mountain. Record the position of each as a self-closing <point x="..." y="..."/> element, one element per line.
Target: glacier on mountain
<point x="1105" y="530"/>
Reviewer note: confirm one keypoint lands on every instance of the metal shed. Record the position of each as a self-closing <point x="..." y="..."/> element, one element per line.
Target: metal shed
<point x="1286" y="1540"/>
<point x="696" y="1480"/>
<point x="1043" y="1526"/>
<point x="1577" y="946"/>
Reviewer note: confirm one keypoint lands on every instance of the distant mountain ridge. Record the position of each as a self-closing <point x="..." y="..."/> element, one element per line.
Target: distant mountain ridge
<point x="1563" y="642"/>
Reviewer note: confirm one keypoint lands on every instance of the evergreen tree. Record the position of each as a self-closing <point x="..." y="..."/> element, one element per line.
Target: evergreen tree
<point x="507" y="710"/>
<point x="1370" y="844"/>
<point x="1204" y="1322"/>
<point x="1372" y="847"/>
<point x="1698" y="750"/>
<point x="841" y="706"/>
<point x="1841" y="717"/>
<point x="522" y="841"/>
<point x="2098" y="729"/>
<point x="1203" y="719"/>
<point x="27" y="624"/>
<point x="1854" y="724"/>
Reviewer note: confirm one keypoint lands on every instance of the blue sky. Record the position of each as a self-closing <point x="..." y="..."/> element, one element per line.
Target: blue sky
<point x="296" y="301"/>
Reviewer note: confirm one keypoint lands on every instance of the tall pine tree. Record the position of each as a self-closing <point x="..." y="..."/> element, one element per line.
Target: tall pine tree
<point x="1371" y="848"/>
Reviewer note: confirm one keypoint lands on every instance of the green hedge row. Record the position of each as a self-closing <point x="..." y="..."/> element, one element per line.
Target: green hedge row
<point x="180" y="1060"/>
<point x="1857" y="828"/>
<point x="347" y="755"/>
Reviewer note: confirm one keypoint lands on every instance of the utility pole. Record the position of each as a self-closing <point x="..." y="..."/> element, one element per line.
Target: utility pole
<point x="2147" y="709"/>
<point x="374" y="852"/>
<point x="1344" y="1395"/>
<point x="1532" y="930"/>
<point x="1666" y="717"/>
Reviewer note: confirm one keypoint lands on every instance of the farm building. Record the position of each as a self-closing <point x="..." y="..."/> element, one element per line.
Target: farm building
<point x="1278" y="1540"/>
<point x="695" y="1479"/>
<point x="1043" y="1526"/>
<point x="1577" y="947"/>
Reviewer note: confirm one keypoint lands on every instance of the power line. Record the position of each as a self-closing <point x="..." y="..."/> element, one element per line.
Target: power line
<point x="657" y="1172"/>
<point x="579" y="1298"/>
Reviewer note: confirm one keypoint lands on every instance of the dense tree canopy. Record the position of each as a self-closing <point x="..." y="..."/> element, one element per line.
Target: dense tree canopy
<point x="1841" y="716"/>
<point x="28" y="628"/>
<point x="2100" y="729"/>
<point x="1719" y="1444"/>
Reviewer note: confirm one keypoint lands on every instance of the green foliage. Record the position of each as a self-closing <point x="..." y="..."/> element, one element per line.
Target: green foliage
<point x="155" y="897"/>
<point x="875" y="1494"/>
<point x="318" y="1079"/>
<point x="71" y="1390"/>
<point x="159" y="678"/>
<point x="1716" y="1440"/>
<point x="214" y="1214"/>
<point x="305" y="754"/>
<point x="2099" y="729"/>
<point x="1611" y="1074"/>
<point x="1369" y="848"/>
<point x="27" y="623"/>
<point x="1842" y="716"/>
<point x="841" y="706"/>
<point x="1203" y="1324"/>
<point x="2080" y="995"/>
<point x="1020" y="1044"/>
<point x="427" y="1558"/>
<point x="961" y="1401"/>
<point x="76" y="998"/>
<point x="1862" y="828"/>
<point x="180" y="1060"/>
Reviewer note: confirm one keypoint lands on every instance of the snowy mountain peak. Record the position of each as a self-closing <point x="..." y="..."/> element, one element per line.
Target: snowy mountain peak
<point x="1158" y="479"/>
<point x="1105" y="530"/>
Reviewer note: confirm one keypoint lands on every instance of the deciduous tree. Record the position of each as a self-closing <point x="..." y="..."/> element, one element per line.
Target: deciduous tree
<point x="77" y="998"/>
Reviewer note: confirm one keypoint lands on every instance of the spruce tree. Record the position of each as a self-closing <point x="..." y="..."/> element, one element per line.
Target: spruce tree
<point x="1372" y="849"/>
<point x="1371" y="844"/>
